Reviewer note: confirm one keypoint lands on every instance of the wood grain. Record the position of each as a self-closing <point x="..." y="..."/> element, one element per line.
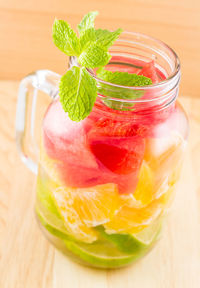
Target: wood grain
<point x="26" y="42"/>
<point x="27" y="260"/>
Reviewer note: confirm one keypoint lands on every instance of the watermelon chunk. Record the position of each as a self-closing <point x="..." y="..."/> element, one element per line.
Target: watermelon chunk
<point x="64" y="139"/>
<point x="117" y="154"/>
<point x="149" y="70"/>
<point x="119" y="159"/>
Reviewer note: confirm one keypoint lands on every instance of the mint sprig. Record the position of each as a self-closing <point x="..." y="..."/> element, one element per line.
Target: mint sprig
<point x="77" y="88"/>
<point x="123" y="78"/>
<point x="87" y="22"/>
<point x="77" y="93"/>
<point x="94" y="56"/>
<point x="65" y="38"/>
<point x="107" y="38"/>
<point x="87" y="37"/>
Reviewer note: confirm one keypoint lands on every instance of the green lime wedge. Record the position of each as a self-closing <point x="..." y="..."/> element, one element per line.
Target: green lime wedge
<point x="148" y="235"/>
<point x="44" y="196"/>
<point x="133" y="243"/>
<point x="51" y="219"/>
<point x="97" y="258"/>
<point x="47" y="209"/>
<point x="58" y="233"/>
<point x="124" y="242"/>
<point x="129" y="247"/>
<point x="100" y="253"/>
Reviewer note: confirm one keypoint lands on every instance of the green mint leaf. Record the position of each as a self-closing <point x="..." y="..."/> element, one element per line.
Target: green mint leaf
<point x="78" y="89"/>
<point x="78" y="93"/>
<point x="94" y="56"/>
<point x="119" y="93"/>
<point x="86" y="37"/>
<point x="65" y="38"/>
<point x="123" y="78"/>
<point x="107" y="38"/>
<point x="87" y="22"/>
<point x="104" y="38"/>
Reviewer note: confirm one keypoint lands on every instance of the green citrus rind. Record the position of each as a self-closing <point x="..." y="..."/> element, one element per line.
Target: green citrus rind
<point x="79" y="249"/>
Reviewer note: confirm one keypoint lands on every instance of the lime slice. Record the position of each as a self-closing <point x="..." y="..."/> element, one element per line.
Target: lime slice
<point x="45" y="197"/>
<point x="101" y="259"/>
<point x="133" y="243"/>
<point x="101" y="253"/>
<point x="148" y="235"/>
<point x="47" y="209"/>
<point x="124" y="242"/>
<point x="88" y="252"/>
<point x="52" y="219"/>
<point x="58" y="233"/>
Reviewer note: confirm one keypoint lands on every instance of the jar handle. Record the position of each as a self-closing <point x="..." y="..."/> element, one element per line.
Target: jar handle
<point x="41" y="80"/>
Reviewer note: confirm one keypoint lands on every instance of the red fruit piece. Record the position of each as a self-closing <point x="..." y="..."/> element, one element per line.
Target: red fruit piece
<point x="111" y="127"/>
<point x="65" y="141"/>
<point x="115" y="128"/>
<point x="149" y="70"/>
<point x="127" y="183"/>
<point x="119" y="155"/>
<point x="75" y="175"/>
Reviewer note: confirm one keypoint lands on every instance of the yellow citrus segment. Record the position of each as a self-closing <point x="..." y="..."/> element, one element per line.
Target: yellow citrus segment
<point x="83" y="208"/>
<point x="132" y="220"/>
<point x="164" y="153"/>
<point x="166" y="198"/>
<point x="150" y="188"/>
<point x="175" y="174"/>
<point x="134" y="216"/>
<point x="145" y="188"/>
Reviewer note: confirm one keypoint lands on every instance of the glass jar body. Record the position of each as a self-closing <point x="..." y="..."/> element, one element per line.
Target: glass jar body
<point x="105" y="183"/>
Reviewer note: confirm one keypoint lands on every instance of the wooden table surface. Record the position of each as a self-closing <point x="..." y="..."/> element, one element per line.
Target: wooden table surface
<point x="27" y="260"/>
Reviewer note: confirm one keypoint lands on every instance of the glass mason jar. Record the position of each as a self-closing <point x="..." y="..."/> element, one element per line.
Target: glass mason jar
<point x="104" y="184"/>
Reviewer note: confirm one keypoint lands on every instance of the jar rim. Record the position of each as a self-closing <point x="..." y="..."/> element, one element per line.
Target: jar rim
<point x="173" y="78"/>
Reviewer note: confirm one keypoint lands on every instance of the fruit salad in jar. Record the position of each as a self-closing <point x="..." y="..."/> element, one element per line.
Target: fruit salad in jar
<point x="106" y="182"/>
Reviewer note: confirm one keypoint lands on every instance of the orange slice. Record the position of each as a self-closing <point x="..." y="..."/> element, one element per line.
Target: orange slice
<point x="145" y="189"/>
<point x="130" y="219"/>
<point x="162" y="154"/>
<point x="175" y="174"/>
<point x="140" y="209"/>
<point x="83" y="208"/>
